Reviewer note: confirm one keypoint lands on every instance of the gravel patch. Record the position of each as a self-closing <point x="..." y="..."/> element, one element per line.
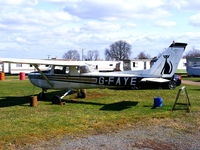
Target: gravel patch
<point x="188" y="82"/>
<point x="140" y="138"/>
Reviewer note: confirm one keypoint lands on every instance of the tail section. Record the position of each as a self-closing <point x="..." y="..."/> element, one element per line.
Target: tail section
<point x="167" y="63"/>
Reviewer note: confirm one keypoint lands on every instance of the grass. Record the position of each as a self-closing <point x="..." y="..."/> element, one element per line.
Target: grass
<point x="102" y="111"/>
<point x="196" y="79"/>
<point x="181" y="71"/>
<point x="9" y="77"/>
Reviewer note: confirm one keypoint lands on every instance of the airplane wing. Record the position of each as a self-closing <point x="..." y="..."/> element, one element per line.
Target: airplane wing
<point x="42" y="62"/>
<point x="160" y="80"/>
<point x="37" y="62"/>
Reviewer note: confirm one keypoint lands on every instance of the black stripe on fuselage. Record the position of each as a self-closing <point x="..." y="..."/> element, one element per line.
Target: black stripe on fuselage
<point x="99" y="80"/>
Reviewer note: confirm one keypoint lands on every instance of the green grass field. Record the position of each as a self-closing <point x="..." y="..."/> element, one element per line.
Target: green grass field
<point x="11" y="77"/>
<point x="181" y="71"/>
<point x="103" y="110"/>
<point x="195" y="79"/>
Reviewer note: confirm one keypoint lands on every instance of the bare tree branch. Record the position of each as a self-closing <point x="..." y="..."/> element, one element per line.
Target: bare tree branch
<point x="192" y="53"/>
<point x="119" y="50"/>
<point x="72" y="54"/>
<point x="92" y="55"/>
<point x="142" y="55"/>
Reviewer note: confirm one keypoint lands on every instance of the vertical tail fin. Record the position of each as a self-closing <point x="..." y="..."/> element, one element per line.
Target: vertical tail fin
<point x="167" y="63"/>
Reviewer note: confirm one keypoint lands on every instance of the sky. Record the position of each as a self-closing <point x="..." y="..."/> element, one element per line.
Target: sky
<point x="49" y="28"/>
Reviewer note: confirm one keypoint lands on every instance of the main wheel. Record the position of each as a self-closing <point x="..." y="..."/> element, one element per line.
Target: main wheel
<point x="41" y="96"/>
<point x="172" y="85"/>
<point x="138" y="87"/>
<point x="56" y="100"/>
<point x="82" y="93"/>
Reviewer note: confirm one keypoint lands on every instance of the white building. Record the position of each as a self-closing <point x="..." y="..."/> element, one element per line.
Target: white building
<point x="12" y="68"/>
<point x="182" y="64"/>
<point x="103" y="66"/>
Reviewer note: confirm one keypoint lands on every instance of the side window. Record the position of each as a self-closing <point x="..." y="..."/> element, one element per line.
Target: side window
<point x="61" y="70"/>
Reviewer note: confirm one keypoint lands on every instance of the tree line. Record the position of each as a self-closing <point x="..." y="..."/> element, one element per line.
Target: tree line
<point x="117" y="51"/>
<point x="74" y="55"/>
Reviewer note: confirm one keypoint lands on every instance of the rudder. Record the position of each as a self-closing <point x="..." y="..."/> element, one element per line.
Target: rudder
<point x="168" y="61"/>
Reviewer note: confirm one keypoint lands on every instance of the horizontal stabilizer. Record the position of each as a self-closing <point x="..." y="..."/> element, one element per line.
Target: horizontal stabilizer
<point x="160" y="80"/>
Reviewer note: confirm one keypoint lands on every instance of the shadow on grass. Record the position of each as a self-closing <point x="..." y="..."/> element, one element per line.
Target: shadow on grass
<point x="195" y="89"/>
<point x="83" y="102"/>
<point x="21" y="101"/>
<point x="119" y="105"/>
<point x="112" y="107"/>
<point x="12" y="101"/>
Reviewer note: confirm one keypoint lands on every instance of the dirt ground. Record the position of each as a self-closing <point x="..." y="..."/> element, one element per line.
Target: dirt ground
<point x="190" y="82"/>
<point x="156" y="135"/>
<point x="151" y="137"/>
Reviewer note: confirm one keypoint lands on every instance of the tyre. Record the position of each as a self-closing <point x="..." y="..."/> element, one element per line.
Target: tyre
<point x="81" y="93"/>
<point x="171" y="85"/>
<point x="41" y="96"/>
<point x="138" y="87"/>
<point x="56" y="100"/>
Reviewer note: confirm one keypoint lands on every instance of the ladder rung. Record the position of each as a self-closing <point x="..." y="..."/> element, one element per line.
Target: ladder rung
<point x="181" y="104"/>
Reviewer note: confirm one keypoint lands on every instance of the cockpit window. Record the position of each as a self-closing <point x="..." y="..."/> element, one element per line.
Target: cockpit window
<point x="84" y="69"/>
<point x="61" y="70"/>
<point x="71" y="70"/>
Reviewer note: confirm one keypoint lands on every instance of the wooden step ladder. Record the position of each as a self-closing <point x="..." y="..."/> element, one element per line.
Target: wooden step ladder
<point x="187" y="104"/>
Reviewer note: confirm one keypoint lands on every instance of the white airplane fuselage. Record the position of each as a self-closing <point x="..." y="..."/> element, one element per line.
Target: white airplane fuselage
<point x="85" y="80"/>
<point x="73" y="75"/>
<point x="77" y="75"/>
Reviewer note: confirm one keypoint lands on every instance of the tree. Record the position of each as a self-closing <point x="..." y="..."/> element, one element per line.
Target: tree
<point x="92" y="55"/>
<point x="192" y="53"/>
<point x="72" y="54"/>
<point x="142" y="55"/>
<point x="119" y="50"/>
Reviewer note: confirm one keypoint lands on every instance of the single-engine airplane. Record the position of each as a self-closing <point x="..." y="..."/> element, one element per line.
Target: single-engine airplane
<point x="68" y="75"/>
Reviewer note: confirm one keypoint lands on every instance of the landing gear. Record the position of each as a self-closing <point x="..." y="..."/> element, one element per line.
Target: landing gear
<point x="41" y="95"/>
<point x="58" y="99"/>
<point x="81" y="93"/>
<point x="171" y="85"/>
<point x="138" y="87"/>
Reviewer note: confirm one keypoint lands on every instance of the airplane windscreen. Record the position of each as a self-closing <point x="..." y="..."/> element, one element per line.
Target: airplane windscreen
<point x="84" y="69"/>
<point x="70" y="70"/>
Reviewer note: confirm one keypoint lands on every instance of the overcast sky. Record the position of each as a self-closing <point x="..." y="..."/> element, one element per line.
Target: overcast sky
<point x="42" y="28"/>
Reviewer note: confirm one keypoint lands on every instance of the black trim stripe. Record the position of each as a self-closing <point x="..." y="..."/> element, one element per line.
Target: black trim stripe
<point x="98" y="80"/>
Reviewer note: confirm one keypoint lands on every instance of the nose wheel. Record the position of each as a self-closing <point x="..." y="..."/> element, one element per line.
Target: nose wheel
<point x="81" y="93"/>
<point x="58" y="99"/>
<point x="41" y="95"/>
